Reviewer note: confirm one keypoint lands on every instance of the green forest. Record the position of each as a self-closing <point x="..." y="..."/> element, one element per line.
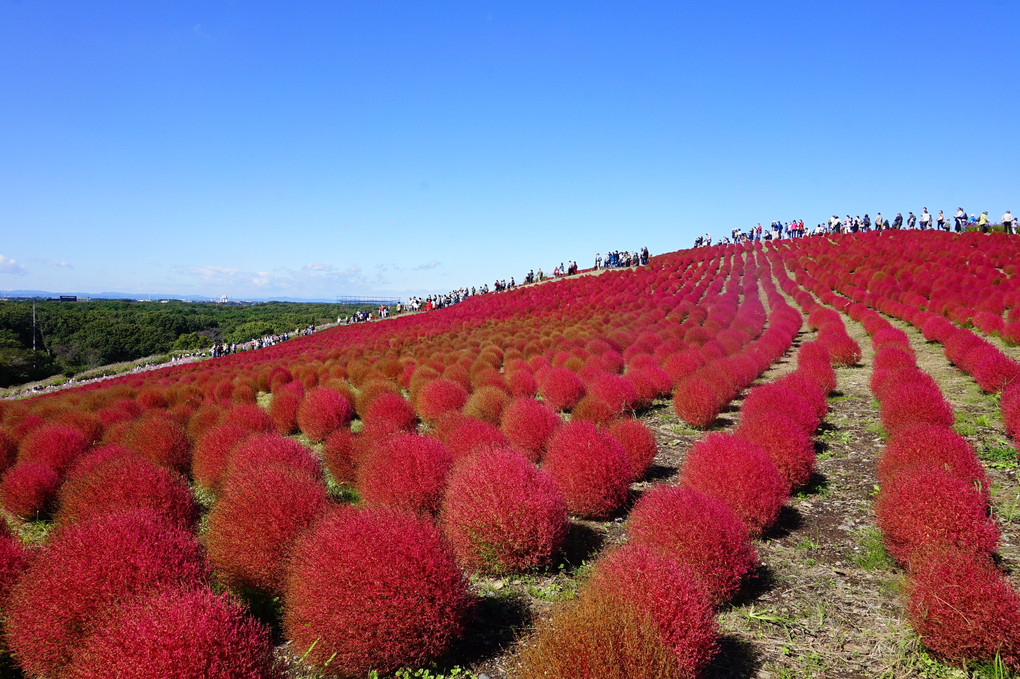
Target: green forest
<point x="74" y="336"/>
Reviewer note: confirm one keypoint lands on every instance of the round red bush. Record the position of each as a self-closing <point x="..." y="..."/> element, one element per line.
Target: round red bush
<point x="487" y="403"/>
<point x="87" y="571"/>
<point x="55" y="445"/>
<point x="283" y="410"/>
<point x="594" y="409"/>
<point x="919" y="444"/>
<point x="161" y="440"/>
<point x="127" y="481"/>
<point x="667" y="592"/>
<point x="389" y="414"/>
<point x="914" y="402"/>
<point x="739" y="473"/>
<point x="779" y="399"/>
<point x="502" y="514"/>
<point x="697" y="531"/>
<point x="182" y="634"/>
<point x="528" y="424"/>
<point x="254" y="524"/>
<point x="638" y="442"/>
<point x="439" y="397"/>
<point x="373" y="589"/>
<point x="8" y="451"/>
<point x="521" y="384"/>
<point x="323" y="411"/>
<point x="590" y="467"/>
<point x="616" y="391"/>
<point x="249" y="416"/>
<point x="212" y="454"/>
<point x="29" y="490"/>
<point x="696" y="402"/>
<point x="14" y="560"/>
<point x="561" y="388"/>
<point x="272" y="450"/>
<point x="407" y="472"/>
<point x="786" y="444"/>
<point x="963" y="608"/>
<point x="338" y="454"/>
<point x="928" y="504"/>
<point x="465" y="436"/>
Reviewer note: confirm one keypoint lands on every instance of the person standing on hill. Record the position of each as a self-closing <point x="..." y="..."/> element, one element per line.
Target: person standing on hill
<point x="925" y="219"/>
<point x="911" y="221"/>
<point x="983" y="222"/>
<point x="879" y="222"/>
<point x="961" y="219"/>
<point x="942" y="221"/>
<point x="1007" y="222"/>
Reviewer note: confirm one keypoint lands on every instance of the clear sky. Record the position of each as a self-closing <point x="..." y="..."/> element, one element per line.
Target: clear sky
<point x="259" y="149"/>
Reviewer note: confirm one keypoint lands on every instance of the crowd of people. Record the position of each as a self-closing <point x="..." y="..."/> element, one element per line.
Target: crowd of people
<point x="617" y="259"/>
<point x="961" y="220"/>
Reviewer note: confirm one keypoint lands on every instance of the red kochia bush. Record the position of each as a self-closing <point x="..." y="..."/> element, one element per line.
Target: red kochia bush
<point x="373" y="589"/>
<point x="55" y="445"/>
<point x="178" y="634"/>
<point x="14" y="559"/>
<point x="407" y="472"/>
<point x="789" y="448"/>
<point x="919" y="444"/>
<point x="29" y="490"/>
<point x="669" y="594"/>
<point x="272" y="450"/>
<point x="322" y="411"/>
<point x="253" y="525"/>
<point x="963" y="607"/>
<point x="561" y="388"/>
<point x="389" y="414"/>
<point x="696" y="402"/>
<point x="638" y="442"/>
<point x="87" y="571"/>
<point x="528" y="425"/>
<point x="928" y="504"/>
<point x="914" y="401"/>
<point x="338" y="453"/>
<point x="438" y="397"/>
<point x="501" y="514"/>
<point x="127" y="481"/>
<point x="487" y="403"/>
<point x="212" y="454"/>
<point x="8" y="451"/>
<point x="739" y="473"/>
<point x="161" y="440"/>
<point x="780" y="399"/>
<point x="521" y="383"/>
<point x="590" y="467"/>
<point x="249" y="416"/>
<point x="697" y="531"/>
<point x="465" y="436"/>
<point x="283" y="410"/>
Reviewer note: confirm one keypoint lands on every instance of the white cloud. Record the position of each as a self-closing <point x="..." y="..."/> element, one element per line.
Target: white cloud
<point x="197" y="30"/>
<point x="8" y="265"/>
<point x="58" y="263"/>
<point x="428" y="266"/>
<point x="315" y="266"/>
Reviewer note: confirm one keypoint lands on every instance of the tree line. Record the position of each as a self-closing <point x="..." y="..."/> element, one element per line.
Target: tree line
<point x="74" y="336"/>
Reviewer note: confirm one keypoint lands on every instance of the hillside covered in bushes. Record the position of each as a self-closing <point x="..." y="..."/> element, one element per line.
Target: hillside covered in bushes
<point x="795" y="458"/>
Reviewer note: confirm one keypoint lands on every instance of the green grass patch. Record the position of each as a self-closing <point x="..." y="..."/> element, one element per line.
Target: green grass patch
<point x="870" y="553"/>
<point x="998" y="454"/>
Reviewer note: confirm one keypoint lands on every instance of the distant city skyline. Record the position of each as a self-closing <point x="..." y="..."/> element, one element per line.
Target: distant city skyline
<point x="390" y="149"/>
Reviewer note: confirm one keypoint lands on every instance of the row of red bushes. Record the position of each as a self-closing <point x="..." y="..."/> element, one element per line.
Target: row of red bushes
<point x="933" y="506"/>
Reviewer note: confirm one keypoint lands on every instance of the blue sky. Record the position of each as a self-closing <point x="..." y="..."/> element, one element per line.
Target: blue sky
<point x="368" y="148"/>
